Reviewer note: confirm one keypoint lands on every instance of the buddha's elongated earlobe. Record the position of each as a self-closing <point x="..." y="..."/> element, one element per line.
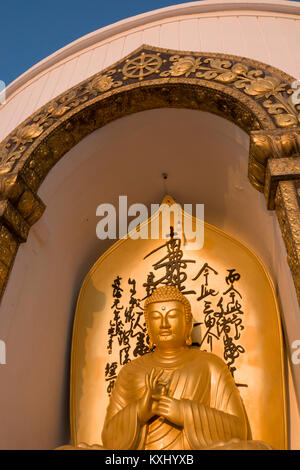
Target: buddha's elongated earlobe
<point x="188" y="341"/>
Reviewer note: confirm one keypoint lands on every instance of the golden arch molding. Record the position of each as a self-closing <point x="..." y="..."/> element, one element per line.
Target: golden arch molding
<point x="253" y="95"/>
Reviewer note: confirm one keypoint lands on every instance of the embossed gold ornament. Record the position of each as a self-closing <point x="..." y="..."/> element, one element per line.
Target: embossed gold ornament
<point x="27" y="133"/>
<point x="261" y="87"/>
<point x="218" y="70"/>
<point x="183" y="66"/>
<point x="254" y="83"/>
<point x="142" y="66"/>
<point x="103" y="83"/>
<point x="239" y="69"/>
<point x="56" y="109"/>
<point x="285" y="113"/>
<point x="279" y="169"/>
<point x="288" y="214"/>
<point x="8" y="158"/>
<point x="13" y="150"/>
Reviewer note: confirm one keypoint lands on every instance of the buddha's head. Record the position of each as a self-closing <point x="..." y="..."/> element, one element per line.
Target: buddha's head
<point x="168" y="318"/>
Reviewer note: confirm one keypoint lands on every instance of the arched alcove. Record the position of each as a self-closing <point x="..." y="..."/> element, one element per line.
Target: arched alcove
<point x="206" y="159"/>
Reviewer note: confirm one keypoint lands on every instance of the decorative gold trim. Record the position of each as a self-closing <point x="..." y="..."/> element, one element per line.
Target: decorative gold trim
<point x="24" y="200"/>
<point x="11" y="218"/>
<point x="254" y="96"/>
<point x="265" y="145"/>
<point x="288" y="212"/>
<point x="8" y="249"/>
<point x="262" y="91"/>
<point x="280" y="169"/>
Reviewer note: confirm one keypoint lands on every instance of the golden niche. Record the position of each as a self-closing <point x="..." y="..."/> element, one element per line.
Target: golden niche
<point x="236" y="343"/>
<point x="177" y="397"/>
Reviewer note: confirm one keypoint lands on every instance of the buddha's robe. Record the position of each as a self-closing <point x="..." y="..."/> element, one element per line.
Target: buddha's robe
<point x="213" y="410"/>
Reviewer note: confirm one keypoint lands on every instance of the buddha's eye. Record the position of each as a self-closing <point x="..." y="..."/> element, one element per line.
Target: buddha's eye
<point x="172" y="314"/>
<point x="155" y="316"/>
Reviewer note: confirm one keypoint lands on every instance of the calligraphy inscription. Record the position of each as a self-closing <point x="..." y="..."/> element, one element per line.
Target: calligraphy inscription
<point x="127" y="326"/>
<point x="221" y="312"/>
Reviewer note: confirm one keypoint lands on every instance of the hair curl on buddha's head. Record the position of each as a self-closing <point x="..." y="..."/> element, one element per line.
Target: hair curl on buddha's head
<point x="170" y="293"/>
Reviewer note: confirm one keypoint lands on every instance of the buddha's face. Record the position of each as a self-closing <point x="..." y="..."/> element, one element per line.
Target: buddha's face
<point x="167" y="323"/>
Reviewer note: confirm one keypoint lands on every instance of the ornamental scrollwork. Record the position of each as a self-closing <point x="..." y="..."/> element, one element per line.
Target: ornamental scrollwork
<point x="272" y="94"/>
<point x="103" y="83"/>
<point x="254" y="82"/>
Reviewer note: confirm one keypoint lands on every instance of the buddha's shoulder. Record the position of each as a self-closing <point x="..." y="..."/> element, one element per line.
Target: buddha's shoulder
<point x="200" y="359"/>
<point x="141" y="363"/>
<point x="206" y="358"/>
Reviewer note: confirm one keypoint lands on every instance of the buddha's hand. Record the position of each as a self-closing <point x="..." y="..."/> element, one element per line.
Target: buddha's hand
<point x="171" y="409"/>
<point x="146" y="405"/>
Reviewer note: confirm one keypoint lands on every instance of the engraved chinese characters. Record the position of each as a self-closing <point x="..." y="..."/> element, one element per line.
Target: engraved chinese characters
<point x="223" y="315"/>
<point x="220" y="313"/>
<point x="128" y="328"/>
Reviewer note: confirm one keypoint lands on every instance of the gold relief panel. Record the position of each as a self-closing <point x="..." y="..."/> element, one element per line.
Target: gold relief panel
<point x="25" y="201"/>
<point x="8" y="250"/>
<point x="265" y="145"/>
<point x="11" y="218"/>
<point x="279" y="169"/>
<point x="288" y="213"/>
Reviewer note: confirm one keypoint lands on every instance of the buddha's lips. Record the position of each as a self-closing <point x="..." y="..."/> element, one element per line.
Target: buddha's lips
<point x="165" y="333"/>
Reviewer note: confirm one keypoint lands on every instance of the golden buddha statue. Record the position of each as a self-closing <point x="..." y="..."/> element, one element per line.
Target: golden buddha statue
<point x="176" y="397"/>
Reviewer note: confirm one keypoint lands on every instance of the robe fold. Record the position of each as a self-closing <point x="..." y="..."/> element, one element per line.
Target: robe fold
<point x="213" y="410"/>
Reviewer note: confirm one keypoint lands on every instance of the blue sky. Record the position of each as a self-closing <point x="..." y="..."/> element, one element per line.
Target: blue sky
<point x="32" y="29"/>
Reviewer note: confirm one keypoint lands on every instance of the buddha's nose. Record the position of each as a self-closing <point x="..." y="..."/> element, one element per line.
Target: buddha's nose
<point x="164" y="323"/>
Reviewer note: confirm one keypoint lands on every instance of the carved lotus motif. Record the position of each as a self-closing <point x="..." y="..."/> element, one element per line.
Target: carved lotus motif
<point x="183" y="66"/>
<point x="28" y="133"/>
<point x="287" y="120"/>
<point x="103" y="83"/>
<point x="239" y="69"/>
<point x="226" y="77"/>
<point x="285" y="115"/>
<point x="8" y="159"/>
<point x="64" y="104"/>
<point x="58" y="110"/>
<point x="261" y="87"/>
